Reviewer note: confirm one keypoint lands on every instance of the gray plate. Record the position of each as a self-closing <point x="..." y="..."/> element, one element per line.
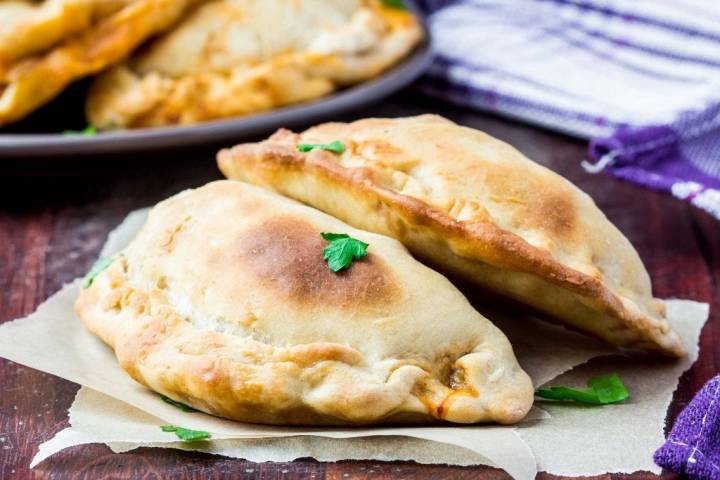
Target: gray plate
<point x="67" y="110"/>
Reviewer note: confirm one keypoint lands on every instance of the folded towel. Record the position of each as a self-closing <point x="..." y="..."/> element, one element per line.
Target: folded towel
<point x="693" y="446"/>
<point x="640" y="78"/>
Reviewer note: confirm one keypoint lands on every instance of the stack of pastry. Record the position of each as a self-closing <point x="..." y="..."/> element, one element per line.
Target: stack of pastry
<point x="226" y="300"/>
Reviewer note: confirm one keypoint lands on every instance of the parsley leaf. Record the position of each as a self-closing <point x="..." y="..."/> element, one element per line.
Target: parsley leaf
<point x="394" y="4"/>
<point x="341" y="250"/>
<point x="101" y="264"/>
<point x="88" y="131"/>
<point x="185" y="434"/>
<point x="337" y="146"/>
<point x="601" y="390"/>
<point x="174" y="403"/>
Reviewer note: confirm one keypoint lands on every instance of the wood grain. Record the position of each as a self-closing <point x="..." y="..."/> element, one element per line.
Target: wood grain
<point x="55" y="214"/>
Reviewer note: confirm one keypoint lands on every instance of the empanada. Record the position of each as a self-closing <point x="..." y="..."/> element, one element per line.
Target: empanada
<point x="32" y="81"/>
<point x="31" y="26"/>
<point x="476" y="207"/>
<point x="223" y="301"/>
<point x="235" y="57"/>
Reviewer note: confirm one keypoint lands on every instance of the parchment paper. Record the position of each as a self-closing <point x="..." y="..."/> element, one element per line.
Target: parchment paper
<point x="619" y="438"/>
<point x="54" y="341"/>
<point x="97" y="418"/>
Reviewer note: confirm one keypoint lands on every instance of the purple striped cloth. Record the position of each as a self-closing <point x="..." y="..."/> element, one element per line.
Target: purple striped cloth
<point x="639" y="78"/>
<point x="693" y="446"/>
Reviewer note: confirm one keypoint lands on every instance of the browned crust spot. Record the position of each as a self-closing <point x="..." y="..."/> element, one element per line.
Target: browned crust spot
<point x="286" y="255"/>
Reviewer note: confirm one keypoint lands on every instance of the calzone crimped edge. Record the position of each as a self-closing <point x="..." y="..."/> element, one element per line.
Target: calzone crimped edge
<point x="223" y="301"/>
<point x="29" y="82"/>
<point x="476" y="207"/>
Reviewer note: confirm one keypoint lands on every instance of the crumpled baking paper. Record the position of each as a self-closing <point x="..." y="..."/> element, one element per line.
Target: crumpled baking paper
<point x="583" y="440"/>
<point x="572" y="440"/>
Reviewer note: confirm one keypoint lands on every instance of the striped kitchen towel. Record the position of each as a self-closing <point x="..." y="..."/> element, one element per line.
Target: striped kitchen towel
<point x="639" y="78"/>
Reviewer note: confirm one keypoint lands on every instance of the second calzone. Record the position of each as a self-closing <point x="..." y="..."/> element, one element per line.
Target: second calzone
<point x="473" y="206"/>
<point x="224" y="302"/>
<point x="28" y="82"/>
<point x="237" y="57"/>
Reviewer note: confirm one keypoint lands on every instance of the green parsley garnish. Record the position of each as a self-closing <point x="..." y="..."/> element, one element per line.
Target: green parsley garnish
<point x="601" y="390"/>
<point x="88" y="131"/>
<point x="341" y="250"/>
<point x="181" y="406"/>
<point x="337" y="146"/>
<point x="394" y="4"/>
<point x="101" y="264"/>
<point x="186" y="434"/>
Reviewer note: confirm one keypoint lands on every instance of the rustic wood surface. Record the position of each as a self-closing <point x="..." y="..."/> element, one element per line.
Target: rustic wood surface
<point x="55" y="214"/>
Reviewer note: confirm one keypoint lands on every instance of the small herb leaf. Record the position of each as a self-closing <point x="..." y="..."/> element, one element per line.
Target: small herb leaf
<point x="101" y="264"/>
<point x="88" y="131"/>
<point x="602" y="390"/>
<point x="394" y="4"/>
<point x="609" y="388"/>
<point x="185" y="434"/>
<point x="341" y="250"/>
<point x="336" y="147"/>
<point x="174" y="403"/>
<point x="333" y="236"/>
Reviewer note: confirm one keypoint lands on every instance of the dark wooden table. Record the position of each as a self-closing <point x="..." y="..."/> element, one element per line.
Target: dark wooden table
<point x="55" y="214"/>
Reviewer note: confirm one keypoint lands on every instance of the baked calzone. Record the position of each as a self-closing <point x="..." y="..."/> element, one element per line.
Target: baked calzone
<point x="235" y="57"/>
<point x="473" y="206"/>
<point x="31" y="26"/>
<point x="224" y="302"/>
<point x="31" y="81"/>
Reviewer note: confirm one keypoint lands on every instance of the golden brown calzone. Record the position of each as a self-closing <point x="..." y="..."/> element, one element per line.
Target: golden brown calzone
<point x="223" y="301"/>
<point x="31" y="26"/>
<point x="474" y="206"/>
<point x="31" y="81"/>
<point x="236" y="57"/>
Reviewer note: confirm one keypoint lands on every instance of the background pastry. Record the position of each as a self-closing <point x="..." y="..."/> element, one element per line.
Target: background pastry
<point x="28" y="26"/>
<point x="474" y="206"/>
<point x="234" y="57"/>
<point x="224" y="302"/>
<point x="29" y="82"/>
